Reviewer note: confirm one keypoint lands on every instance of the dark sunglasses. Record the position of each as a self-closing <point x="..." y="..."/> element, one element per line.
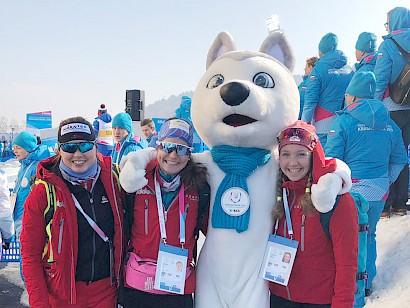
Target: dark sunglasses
<point x="169" y="147"/>
<point x="73" y="147"/>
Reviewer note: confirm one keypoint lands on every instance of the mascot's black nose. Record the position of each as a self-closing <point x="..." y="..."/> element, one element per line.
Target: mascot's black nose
<point x="234" y="93"/>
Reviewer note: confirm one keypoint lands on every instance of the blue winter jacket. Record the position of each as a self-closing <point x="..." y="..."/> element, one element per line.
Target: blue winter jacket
<point x="367" y="64"/>
<point x="364" y="136"/>
<point x="129" y="144"/>
<point x="26" y="173"/>
<point x="390" y="62"/>
<point x="325" y="90"/>
<point x="302" y="91"/>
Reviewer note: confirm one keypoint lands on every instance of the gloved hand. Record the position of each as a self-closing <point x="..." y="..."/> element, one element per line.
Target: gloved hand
<point x="132" y="166"/>
<point x="7" y="241"/>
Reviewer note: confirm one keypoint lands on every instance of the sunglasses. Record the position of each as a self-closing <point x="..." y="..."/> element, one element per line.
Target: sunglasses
<point x="73" y="147"/>
<point x="169" y="147"/>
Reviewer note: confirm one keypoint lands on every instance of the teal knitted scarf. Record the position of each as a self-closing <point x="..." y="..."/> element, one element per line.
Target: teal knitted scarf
<point x="238" y="163"/>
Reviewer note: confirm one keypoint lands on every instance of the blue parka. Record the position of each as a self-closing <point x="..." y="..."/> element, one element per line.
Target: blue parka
<point x="367" y="64"/>
<point x="390" y="62"/>
<point x="129" y="144"/>
<point x="364" y="136"/>
<point x="24" y="176"/>
<point x="325" y="90"/>
<point x="302" y="91"/>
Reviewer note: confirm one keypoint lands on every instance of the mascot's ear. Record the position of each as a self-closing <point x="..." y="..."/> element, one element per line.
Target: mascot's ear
<point x="222" y="44"/>
<point x="277" y="46"/>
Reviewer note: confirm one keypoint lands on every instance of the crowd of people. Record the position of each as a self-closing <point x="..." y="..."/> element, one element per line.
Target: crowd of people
<point x="83" y="237"/>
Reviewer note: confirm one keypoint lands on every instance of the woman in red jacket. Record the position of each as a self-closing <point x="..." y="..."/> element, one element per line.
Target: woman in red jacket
<point x="72" y="237"/>
<point x="324" y="270"/>
<point x="165" y="217"/>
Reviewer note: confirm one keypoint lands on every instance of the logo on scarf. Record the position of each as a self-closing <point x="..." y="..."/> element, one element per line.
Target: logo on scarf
<point x="235" y="201"/>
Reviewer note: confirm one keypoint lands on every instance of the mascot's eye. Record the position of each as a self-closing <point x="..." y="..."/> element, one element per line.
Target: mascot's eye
<point x="215" y="81"/>
<point x="263" y="80"/>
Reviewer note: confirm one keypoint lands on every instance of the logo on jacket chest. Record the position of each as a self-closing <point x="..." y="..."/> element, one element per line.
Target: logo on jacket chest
<point x="104" y="199"/>
<point x="192" y="197"/>
<point x="145" y="191"/>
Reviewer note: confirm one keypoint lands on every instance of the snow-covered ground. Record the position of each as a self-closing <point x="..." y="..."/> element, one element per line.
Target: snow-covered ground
<point x="391" y="285"/>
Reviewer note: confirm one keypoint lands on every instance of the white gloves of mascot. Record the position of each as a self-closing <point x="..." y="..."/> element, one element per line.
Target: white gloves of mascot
<point x="132" y="166"/>
<point x="330" y="185"/>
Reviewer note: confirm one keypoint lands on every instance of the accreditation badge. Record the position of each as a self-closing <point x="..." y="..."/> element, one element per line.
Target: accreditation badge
<point x="235" y="201"/>
<point x="278" y="260"/>
<point x="171" y="269"/>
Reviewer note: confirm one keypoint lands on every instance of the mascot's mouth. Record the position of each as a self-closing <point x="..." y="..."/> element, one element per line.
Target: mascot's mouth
<point x="236" y="120"/>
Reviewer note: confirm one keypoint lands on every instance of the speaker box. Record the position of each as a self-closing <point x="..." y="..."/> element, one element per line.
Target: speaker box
<point x="134" y="104"/>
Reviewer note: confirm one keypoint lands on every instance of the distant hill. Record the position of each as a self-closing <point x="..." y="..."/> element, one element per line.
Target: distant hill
<point x="165" y="108"/>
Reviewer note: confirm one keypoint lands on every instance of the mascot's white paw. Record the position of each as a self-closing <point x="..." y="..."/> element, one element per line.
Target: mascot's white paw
<point x="132" y="166"/>
<point x="324" y="193"/>
<point x="330" y="185"/>
<point x="344" y="172"/>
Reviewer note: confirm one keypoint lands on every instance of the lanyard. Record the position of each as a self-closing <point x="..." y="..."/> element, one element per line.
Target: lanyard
<point x="161" y="217"/>
<point x="287" y="215"/>
<point x="101" y="234"/>
<point x="90" y="221"/>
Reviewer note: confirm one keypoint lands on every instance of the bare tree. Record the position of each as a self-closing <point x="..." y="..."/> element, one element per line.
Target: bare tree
<point x="3" y="125"/>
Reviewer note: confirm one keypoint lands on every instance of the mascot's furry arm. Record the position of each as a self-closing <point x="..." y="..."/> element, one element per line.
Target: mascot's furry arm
<point x="330" y="185"/>
<point x="132" y="166"/>
<point x="324" y="193"/>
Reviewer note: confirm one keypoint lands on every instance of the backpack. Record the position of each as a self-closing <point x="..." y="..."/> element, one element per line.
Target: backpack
<point x="362" y="206"/>
<point x="400" y="89"/>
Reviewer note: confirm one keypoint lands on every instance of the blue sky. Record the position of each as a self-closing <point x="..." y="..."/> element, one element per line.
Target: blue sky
<point x="69" y="56"/>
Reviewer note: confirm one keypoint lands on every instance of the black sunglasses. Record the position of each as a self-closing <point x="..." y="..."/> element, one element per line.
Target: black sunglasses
<point x="73" y="147"/>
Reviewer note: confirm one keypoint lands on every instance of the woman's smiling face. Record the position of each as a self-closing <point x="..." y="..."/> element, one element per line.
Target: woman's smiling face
<point x="172" y="163"/>
<point x="78" y="161"/>
<point x="294" y="161"/>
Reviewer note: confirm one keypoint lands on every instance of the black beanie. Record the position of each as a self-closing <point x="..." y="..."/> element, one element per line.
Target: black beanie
<point x="76" y="129"/>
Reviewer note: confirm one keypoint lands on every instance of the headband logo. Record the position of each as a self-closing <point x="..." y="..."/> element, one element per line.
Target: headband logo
<point x="75" y="128"/>
<point x="178" y="124"/>
<point x="294" y="139"/>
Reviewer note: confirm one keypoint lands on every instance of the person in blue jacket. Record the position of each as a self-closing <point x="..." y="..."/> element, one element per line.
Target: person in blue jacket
<point x="103" y="130"/>
<point x="366" y="52"/>
<point x="389" y="65"/>
<point x="125" y="140"/>
<point x="326" y="86"/>
<point x="28" y="153"/>
<point x="184" y="112"/>
<point x="370" y="143"/>
<point x="310" y="63"/>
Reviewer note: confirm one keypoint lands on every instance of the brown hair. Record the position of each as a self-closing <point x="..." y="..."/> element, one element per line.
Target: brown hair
<point x="312" y="61"/>
<point x="194" y="175"/>
<point x="305" y="201"/>
<point x="148" y="122"/>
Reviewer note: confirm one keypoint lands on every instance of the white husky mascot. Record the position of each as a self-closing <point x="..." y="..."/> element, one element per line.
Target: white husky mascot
<point x="242" y="102"/>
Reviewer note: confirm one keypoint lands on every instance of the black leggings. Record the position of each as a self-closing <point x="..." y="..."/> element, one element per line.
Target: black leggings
<point x="279" y="302"/>
<point x="139" y="299"/>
